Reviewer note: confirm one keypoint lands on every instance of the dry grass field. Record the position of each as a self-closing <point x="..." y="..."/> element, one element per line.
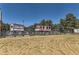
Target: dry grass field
<point x="40" y="45"/>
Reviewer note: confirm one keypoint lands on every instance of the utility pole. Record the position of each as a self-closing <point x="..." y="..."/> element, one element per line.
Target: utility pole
<point x="1" y="26"/>
<point x="23" y="27"/>
<point x="23" y="22"/>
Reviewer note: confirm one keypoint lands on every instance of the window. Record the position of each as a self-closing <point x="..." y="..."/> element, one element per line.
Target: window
<point x="11" y="26"/>
<point x="49" y="27"/>
<point x="43" y="27"/>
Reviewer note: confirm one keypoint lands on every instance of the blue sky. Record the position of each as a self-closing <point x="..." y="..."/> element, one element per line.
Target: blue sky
<point x="34" y="13"/>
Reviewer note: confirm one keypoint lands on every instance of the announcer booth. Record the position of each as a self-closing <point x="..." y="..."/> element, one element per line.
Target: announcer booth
<point x="17" y="29"/>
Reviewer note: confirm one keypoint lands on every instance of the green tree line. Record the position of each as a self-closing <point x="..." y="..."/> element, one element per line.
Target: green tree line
<point x="66" y="24"/>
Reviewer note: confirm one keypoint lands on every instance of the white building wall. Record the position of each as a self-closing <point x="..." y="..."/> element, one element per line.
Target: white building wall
<point x="76" y="30"/>
<point x="16" y="27"/>
<point x="43" y="29"/>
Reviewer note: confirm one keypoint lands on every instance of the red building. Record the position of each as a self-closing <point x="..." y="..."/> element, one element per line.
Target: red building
<point x="42" y="28"/>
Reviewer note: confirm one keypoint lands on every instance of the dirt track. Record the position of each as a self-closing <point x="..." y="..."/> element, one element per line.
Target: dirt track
<point x="44" y="45"/>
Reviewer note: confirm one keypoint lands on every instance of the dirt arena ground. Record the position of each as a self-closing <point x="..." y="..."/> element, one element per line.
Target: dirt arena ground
<point x="40" y="45"/>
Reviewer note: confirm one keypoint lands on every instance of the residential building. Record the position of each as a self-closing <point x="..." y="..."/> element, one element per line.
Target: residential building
<point x="16" y="29"/>
<point x="42" y="28"/>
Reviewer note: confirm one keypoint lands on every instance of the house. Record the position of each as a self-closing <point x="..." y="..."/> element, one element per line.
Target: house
<point x="42" y="28"/>
<point x="76" y="30"/>
<point x="16" y="29"/>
